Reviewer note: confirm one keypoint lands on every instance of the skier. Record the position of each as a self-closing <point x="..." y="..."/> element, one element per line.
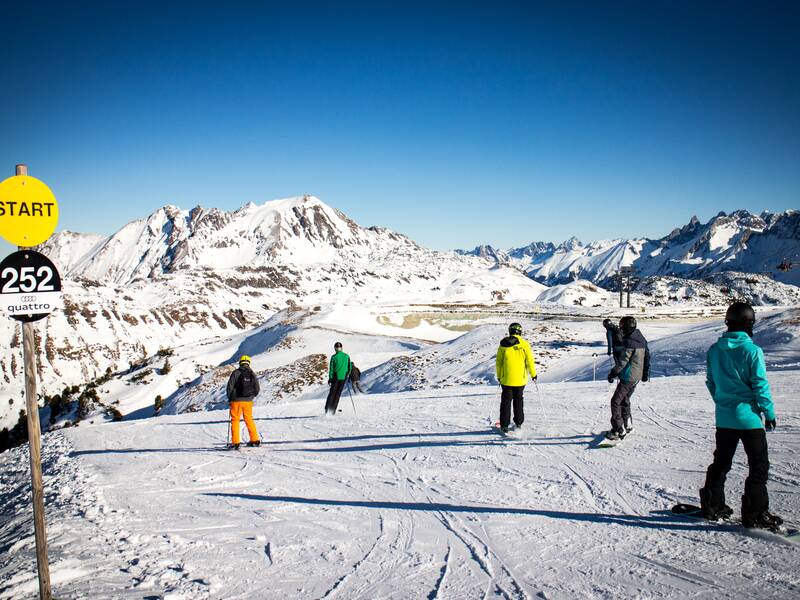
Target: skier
<point x="613" y="338"/>
<point x="355" y="379"/>
<point x="631" y="365"/>
<point x="736" y="377"/>
<point x="513" y="364"/>
<point x="338" y="373"/>
<point x="242" y="388"/>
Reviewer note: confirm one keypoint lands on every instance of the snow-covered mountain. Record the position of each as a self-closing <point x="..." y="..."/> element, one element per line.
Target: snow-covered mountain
<point x="740" y="241"/>
<point x="184" y="276"/>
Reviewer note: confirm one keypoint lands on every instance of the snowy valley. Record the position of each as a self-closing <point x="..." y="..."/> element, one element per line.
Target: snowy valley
<point x="407" y="492"/>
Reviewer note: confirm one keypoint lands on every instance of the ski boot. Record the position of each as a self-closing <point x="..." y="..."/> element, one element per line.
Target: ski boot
<point x="234" y="446"/>
<point x="628" y="425"/>
<point x="762" y="520"/>
<point x="615" y="436"/>
<point x="252" y="444"/>
<point x="713" y="511"/>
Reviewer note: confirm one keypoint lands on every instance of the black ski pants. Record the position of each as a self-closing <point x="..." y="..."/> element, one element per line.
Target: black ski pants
<point x="621" y="405"/>
<point x="755" y="499"/>
<point x="511" y="393"/>
<point x="332" y="403"/>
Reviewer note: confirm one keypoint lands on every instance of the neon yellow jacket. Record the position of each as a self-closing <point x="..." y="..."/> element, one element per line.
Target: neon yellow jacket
<point x="514" y="361"/>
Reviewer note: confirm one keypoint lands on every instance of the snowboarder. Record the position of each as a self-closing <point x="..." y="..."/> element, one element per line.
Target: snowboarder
<point x="338" y="373"/>
<point x="631" y="365"/>
<point x="355" y="379"/>
<point x="613" y="338"/>
<point x="513" y="364"/>
<point x="736" y="377"/>
<point x="242" y="388"/>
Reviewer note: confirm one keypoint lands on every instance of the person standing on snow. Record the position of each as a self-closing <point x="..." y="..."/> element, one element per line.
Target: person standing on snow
<point x="338" y="373"/>
<point x="355" y="379"/>
<point x="242" y="388"/>
<point x="736" y="377"/>
<point x="613" y="338"/>
<point x="513" y="364"/>
<point x="631" y="365"/>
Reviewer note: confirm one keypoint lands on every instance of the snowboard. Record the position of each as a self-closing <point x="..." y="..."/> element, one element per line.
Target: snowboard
<point x="691" y="511"/>
<point x="606" y="443"/>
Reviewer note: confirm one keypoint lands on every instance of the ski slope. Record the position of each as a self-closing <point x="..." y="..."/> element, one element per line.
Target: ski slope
<point x="413" y="497"/>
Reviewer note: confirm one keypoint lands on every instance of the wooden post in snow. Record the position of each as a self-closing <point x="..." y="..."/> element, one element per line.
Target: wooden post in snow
<point x="34" y="440"/>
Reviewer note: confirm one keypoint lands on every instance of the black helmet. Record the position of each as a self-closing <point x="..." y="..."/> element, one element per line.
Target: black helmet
<point x="515" y="329"/>
<point x="740" y="316"/>
<point x="337" y="346"/>
<point x="627" y="325"/>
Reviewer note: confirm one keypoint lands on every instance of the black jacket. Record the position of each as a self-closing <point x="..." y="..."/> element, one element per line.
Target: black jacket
<point x="614" y="339"/>
<point x="233" y="382"/>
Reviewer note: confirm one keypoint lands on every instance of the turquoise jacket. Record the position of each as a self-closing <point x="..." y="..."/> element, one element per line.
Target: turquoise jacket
<point x="736" y="376"/>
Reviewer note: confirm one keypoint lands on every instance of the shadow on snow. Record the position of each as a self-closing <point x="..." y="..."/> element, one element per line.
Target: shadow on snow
<point x="418" y="443"/>
<point x="655" y="520"/>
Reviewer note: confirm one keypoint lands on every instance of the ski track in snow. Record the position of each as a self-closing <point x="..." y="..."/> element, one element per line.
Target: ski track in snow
<point x="415" y="498"/>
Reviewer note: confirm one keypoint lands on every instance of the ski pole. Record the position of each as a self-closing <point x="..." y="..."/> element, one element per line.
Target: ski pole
<point x="594" y="367"/>
<point x="539" y="397"/>
<point x="351" y="398"/>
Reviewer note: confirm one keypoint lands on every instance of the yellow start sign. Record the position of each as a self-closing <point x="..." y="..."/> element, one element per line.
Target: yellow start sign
<point x="28" y="211"/>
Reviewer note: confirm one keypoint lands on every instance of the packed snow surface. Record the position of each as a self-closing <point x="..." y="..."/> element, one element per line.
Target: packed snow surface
<point x="413" y="496"/>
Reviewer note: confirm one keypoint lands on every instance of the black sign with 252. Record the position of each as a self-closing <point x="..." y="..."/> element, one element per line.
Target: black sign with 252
<point x="30" y="285"/>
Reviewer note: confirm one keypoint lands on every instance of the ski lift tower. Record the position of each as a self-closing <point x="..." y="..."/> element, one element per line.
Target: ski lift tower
<point x="624" y="278"/>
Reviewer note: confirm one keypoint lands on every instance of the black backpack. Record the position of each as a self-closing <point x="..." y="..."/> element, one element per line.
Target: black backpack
<point x="246" y="384"/>
<point x="355" y="373"/>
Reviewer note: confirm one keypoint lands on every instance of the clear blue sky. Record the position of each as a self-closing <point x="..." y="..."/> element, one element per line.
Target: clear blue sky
<point x="456" y="123"/>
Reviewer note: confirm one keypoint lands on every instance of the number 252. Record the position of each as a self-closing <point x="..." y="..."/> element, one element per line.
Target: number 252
<point x="30" y="280"/>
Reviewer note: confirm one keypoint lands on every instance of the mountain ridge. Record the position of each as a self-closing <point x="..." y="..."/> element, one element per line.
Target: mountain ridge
<point x="738" y="241"/>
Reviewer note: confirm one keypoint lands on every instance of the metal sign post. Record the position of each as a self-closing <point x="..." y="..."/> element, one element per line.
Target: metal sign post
<point x="625" y="283"/>
<point x="30" y="287"/>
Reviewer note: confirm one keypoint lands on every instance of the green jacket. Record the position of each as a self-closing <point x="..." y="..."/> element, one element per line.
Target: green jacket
<point x="339" y="368"/>
<point x="736" y="376"/>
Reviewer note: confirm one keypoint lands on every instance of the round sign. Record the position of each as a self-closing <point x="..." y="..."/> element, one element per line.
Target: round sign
<point x="28" y="211"/>
<point x="30" y="286"/>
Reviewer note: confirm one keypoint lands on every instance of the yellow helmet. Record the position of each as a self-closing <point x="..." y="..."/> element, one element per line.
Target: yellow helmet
<point x="244" y="359"/>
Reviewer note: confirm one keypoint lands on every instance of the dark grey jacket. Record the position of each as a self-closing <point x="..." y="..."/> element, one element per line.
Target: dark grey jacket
<point x="233" y="395"/>
<point x="632" y="364"/>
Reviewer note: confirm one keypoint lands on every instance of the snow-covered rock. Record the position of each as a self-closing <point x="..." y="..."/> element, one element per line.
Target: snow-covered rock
<point x="577" y="293"/>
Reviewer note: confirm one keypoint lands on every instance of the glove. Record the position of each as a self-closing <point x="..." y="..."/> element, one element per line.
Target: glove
<point x="535" y="377"/>
<point x="611" y="377"/>
<point x="770" y="424"/>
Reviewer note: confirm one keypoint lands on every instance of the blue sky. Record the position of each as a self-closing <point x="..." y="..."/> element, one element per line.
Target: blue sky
<point x="455" y="123"/>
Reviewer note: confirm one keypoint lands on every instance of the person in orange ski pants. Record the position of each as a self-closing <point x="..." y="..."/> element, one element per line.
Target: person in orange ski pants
<point x="242" y="388"/>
